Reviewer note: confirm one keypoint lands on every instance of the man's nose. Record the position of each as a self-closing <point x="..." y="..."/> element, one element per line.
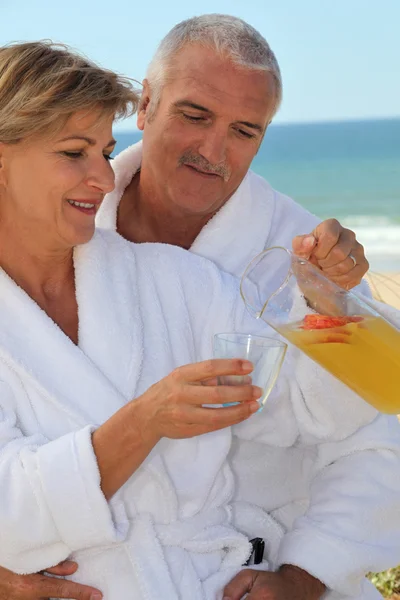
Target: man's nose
<point x="213" y="146"/>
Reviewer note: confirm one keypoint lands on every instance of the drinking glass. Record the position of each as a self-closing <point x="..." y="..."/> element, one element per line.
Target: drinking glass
<point x="266" y="354"/>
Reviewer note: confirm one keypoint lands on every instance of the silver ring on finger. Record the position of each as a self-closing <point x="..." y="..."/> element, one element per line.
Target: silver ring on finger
<point x="353" y="259"/>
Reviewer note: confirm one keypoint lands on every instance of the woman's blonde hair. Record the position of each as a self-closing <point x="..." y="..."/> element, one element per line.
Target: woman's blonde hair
<point x="42" y="84"/>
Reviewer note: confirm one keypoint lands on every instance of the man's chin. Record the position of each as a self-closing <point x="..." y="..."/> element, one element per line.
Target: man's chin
<point x="198" y="204"/>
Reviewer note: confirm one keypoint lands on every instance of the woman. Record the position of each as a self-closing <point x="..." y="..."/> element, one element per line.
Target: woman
<point x="88" y="472"/>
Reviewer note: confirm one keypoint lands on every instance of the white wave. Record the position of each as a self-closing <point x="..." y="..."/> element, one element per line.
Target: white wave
<point x="367" y="220"/>
<point x="380" y="235"/>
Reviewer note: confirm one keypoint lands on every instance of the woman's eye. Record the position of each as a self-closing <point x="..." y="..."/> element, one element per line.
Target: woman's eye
<point x="108" y="157"/>
<point x="72" y="154"/>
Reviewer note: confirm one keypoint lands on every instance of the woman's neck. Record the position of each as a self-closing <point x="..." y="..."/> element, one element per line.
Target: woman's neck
<point x="44" y="272"/>
<point x="36" y="267"/>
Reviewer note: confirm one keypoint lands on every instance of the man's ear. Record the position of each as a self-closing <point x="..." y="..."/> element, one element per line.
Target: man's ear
<point x="143" y="105"/>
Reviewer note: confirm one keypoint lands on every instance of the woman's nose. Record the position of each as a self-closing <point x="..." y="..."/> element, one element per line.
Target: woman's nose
<point x="101" y="176"/>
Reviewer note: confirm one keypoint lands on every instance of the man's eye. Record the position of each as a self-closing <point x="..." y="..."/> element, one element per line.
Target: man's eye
<point x="193" y="119"/>
<point x="245" y="134"/>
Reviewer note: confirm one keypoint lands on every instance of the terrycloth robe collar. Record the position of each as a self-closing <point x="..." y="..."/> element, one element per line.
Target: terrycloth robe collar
<point x="254" y="211"/>
<point x="97" y="377"/>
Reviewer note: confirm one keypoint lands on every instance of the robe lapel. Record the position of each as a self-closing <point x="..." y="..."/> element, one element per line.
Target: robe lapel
<point x="93" y="380"/>
<point x="110" y="321"/>
<point x="125" y="165"/>
<point x="238" y="231"/>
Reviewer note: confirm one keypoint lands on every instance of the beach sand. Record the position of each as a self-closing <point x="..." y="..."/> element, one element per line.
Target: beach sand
<point x="385" y="287"/>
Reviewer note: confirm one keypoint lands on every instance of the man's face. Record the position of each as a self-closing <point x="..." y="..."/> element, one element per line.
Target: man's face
<point x="208" y="126"/>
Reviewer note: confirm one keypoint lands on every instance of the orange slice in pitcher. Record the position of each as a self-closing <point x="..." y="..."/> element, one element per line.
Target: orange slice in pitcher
<point x="315" y="321"/>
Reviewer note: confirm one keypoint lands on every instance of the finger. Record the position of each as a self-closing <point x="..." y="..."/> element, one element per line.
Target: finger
<point x="245" y="380"/>
<point x="240" y="585"/>
<point x="221" y="394"/>
<point x="49" y="587"/>
<point x="212" y="419"/>
<point x="347" y="266"/>
<point x="352" y="278"/>
<point x="68" y="567"/>
<point x="342" y="268"/>
<point x="345" y="245"/>
<point x="327" y="234"/>
<point x="303" y="245"/>
<point x="216" y="367"/>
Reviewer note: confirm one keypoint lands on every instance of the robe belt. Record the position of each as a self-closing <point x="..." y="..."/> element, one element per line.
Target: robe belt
<point x="208" y="531"/>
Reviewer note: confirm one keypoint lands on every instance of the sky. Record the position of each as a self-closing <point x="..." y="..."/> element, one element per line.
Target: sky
<point x="340" y="59"/>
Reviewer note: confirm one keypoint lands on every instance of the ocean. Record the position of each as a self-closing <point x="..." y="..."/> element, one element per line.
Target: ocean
<point x="348" y="170"/>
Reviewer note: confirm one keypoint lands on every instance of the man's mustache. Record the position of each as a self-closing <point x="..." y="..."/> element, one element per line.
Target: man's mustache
<point x="196" y="160"/>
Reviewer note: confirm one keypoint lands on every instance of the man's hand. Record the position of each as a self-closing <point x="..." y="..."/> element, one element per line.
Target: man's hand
<point x="335" y="250"/>
<point x="41" y="587"/>
<point x="289" y="583"/>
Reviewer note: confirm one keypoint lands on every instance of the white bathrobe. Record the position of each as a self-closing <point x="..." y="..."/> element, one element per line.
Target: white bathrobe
<point x="313" y="483"/>
<point x="167" y="533"/>
<point x="170" y="531"/>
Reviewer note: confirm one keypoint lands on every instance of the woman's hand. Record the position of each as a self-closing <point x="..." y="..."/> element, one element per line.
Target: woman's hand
<point x="174" y="407"/>
<point x="171" y="408"/>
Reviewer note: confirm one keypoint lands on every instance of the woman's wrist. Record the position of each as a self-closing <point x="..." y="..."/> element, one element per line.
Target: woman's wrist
<point x="121" y="444"/>
<point x="141" y="421"/>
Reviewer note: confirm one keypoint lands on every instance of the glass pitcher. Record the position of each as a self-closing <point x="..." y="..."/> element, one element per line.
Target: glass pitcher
<point x="335" y="328"/>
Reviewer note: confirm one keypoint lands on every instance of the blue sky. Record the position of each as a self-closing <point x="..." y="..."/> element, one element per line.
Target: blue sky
<point x="339" y="58"/>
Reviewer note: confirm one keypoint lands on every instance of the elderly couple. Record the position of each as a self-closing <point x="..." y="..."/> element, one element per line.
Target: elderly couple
<point x="116" y="471"/>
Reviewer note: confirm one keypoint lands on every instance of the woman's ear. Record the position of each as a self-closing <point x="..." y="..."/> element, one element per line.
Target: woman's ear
<point x="6" y="151"/>
<point x="143" y="105"/>
<point x="2" y="169"/>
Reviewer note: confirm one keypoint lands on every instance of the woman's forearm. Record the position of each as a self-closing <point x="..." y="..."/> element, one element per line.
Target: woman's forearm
<point x="121" y="444"/>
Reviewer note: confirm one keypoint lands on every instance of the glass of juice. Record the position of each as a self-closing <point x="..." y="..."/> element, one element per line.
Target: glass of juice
<point x="334" y="327"/>
<point x="266" y="354"/>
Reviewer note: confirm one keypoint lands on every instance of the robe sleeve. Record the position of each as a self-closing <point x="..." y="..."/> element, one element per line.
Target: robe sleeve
<point x="352" y="523"/>
<point x="51" y="503"/>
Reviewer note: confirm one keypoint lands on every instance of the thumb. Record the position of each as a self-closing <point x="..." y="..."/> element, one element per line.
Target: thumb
<point x="67" y="567"/>
<point x="240" y="585"/>
<point x="303" y="245"/>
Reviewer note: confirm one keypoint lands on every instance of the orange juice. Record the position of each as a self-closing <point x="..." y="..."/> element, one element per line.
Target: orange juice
<point x="365" y="355"/>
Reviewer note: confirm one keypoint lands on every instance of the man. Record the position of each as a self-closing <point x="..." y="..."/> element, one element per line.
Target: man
<point x="211" y="91"/>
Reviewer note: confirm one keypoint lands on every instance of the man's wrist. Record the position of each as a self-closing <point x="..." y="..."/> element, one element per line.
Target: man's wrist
<point x="310" y="587"/>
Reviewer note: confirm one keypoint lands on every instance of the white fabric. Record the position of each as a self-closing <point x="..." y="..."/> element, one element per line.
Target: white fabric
<point x="286" y="480"/>
<point x="55" y="394"/>
<point x="167" y="533"/>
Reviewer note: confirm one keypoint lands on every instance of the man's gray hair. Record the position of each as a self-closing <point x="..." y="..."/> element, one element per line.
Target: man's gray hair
<point x="228" y="36"/>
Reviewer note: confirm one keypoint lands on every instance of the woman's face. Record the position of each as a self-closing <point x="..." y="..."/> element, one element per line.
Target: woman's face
<point x="51" y="187"/>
